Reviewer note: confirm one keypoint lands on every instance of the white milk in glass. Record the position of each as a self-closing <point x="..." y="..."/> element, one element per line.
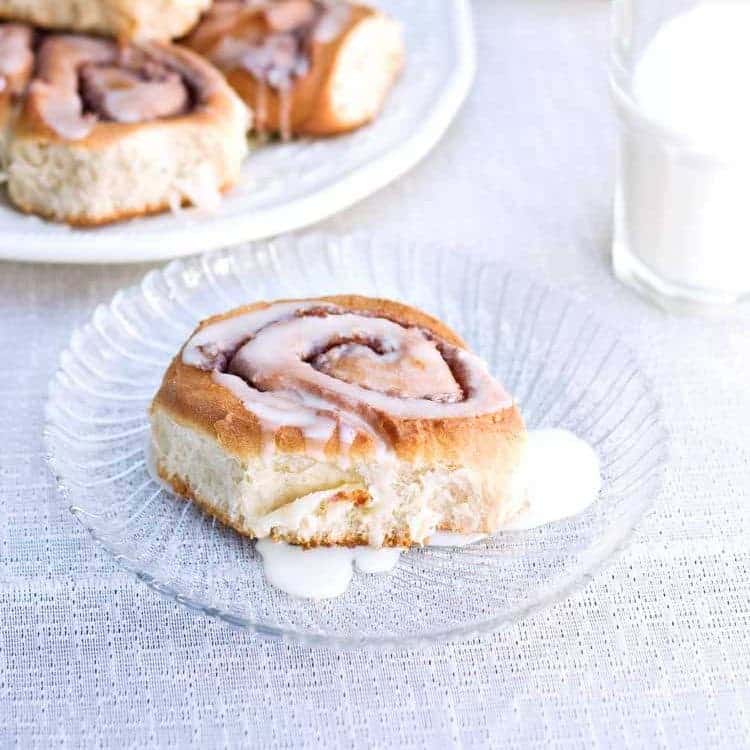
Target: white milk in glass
<point x="682" y="224"/>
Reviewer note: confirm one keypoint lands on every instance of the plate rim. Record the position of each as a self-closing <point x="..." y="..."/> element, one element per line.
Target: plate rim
<point x="221" y="232"/>
<point x="595" y="558"/>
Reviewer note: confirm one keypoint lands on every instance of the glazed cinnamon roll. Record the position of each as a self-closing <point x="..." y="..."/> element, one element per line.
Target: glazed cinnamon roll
<point x="338" y="421"/>
<point x="16" y="65"/>
<point x="107" y="132"/>
<point x="305" y="67"/>
<point x="124" y="19"/>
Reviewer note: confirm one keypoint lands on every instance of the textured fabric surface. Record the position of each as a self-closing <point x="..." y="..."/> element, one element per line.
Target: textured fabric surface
<point x="654" y="652"/>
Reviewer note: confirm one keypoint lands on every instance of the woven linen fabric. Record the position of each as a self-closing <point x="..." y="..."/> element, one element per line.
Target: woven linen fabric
<point x="653" y="652"/>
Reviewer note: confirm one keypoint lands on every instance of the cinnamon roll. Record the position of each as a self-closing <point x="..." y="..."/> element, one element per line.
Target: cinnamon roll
<point x="124" y="19"/>
<point x="16" y="65"/>
<point x="107" y="132"/>
<point x="342" y="420"/>
<point x="305" y="67"/>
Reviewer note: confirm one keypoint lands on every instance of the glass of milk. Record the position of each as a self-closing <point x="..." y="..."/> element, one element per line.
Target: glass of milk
<point x="681" y="83"/>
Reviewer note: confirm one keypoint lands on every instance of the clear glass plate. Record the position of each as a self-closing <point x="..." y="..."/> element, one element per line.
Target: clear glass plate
<point x="564" y="367"/>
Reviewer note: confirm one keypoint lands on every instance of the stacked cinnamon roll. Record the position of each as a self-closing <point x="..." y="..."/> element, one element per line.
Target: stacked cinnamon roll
<point x="339" y="421"/>
<point x="305" y="67"/>
<point x="98" y="128"/>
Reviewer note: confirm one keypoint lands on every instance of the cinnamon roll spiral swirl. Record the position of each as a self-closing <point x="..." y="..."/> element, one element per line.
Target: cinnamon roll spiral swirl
<point x="340" y="420"/>
<point x="305" y="67"/>
<point x="107" y="131"/>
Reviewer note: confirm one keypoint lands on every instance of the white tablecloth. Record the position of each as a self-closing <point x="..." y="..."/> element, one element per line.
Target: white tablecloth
<point x="654" y="652"/>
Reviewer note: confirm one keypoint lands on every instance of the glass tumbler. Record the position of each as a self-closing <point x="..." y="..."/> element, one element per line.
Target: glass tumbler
<point x="679" y="73"/>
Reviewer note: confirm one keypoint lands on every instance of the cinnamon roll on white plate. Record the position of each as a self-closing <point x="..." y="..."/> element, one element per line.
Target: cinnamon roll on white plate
<point x="108" y="132"/>
<point x="305" y="67"/>
<point x="124" y="19"/>
<point x="342" y="420"/>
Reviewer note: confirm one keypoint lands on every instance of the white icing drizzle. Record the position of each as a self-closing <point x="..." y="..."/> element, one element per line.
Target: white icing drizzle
<point x="206" y="348"/>
<point x="332" y="21"/>
<point x="564" y="480"/>
<point x="281" y="409"/>
<point x="271" y="40"/>
<point x="82" y="80"/>
<point x="376" y="560"/>
<point x="267" y="357"/>
<point x="278" y="354"/>
<point x="275" y="50"/>
<point x="323" y="572"/>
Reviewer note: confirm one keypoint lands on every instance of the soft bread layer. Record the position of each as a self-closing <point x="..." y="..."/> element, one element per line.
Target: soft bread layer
<point x="304" y="501"/>
<point x="130" y="19"/>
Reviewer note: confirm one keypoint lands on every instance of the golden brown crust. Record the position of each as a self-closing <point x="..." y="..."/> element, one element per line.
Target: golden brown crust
<point x="310" y="111"/>
<point x="191" y="397"/>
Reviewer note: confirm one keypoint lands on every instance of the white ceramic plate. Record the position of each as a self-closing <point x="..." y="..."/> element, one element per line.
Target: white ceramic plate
<point x="286" y="186"/>
<point x="565" y="368"/>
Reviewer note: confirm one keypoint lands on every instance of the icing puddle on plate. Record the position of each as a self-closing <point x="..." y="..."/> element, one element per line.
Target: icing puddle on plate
<point x="564" y="479"/>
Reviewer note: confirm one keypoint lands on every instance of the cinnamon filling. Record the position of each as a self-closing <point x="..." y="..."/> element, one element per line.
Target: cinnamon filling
<point x="83" y="80"/>
<point x="118" y="94"/>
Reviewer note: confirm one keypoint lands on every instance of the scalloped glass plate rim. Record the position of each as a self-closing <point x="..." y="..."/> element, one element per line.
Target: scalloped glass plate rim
<point x="589" y="561"/>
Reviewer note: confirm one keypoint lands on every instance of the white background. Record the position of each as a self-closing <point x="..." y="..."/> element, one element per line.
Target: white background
<point x="653" y="653"/>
